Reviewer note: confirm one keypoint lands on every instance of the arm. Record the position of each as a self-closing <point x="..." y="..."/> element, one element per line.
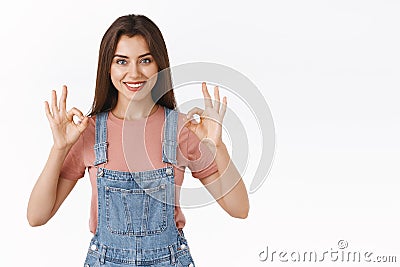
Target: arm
<point x="228" y="189"/>
<point x="226" y="186"/>
<point x="50" y="191"/>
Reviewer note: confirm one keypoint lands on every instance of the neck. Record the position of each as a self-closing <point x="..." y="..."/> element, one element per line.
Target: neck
<point x="134" y="110"/>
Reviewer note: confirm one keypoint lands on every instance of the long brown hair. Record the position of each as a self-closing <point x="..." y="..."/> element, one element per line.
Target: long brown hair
<point x="106" y="95"/>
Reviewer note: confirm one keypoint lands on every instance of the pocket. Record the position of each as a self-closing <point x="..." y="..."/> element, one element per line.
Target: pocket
<point x="136" y="212"/>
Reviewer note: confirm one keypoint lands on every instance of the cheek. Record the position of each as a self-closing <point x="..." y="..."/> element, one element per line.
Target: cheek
<point x="149" y="69"/>
<point x="149" y="72"/>
<point x="115" y="74"/>
<point x="152" y="78"/>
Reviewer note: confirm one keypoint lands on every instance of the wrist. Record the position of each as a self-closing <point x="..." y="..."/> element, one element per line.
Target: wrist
<point x="61" y="149"/>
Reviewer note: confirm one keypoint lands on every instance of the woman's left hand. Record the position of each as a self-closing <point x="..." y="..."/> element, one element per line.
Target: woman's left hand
<point x="210" y="125"/>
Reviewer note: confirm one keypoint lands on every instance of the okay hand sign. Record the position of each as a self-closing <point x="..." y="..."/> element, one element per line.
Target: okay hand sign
<point x="65" y="131"/>
<point x="210" y="125"/>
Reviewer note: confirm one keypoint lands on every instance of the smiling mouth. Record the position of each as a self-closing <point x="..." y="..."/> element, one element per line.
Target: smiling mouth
<point x="135" y="86"/>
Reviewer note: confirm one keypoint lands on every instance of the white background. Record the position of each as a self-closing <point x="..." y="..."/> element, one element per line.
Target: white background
<point x="329" y="71"/>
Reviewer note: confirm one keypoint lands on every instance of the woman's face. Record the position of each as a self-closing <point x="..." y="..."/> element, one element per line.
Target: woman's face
<point x="131" y="69"/>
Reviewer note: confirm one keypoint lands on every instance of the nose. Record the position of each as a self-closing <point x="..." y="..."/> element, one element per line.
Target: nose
<point x="134" y="71"/>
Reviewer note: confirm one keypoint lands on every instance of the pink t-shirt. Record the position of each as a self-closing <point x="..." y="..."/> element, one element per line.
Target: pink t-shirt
<point x="136" y="145"/>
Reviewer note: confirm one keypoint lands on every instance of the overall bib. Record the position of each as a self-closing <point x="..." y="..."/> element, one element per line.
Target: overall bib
<point x="136" y="224"/>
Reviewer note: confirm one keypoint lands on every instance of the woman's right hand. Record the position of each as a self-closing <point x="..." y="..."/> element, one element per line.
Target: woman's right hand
<point x="65" y="131"/>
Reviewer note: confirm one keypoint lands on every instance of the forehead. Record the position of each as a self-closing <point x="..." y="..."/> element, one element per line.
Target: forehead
<point x="132" y="46"/>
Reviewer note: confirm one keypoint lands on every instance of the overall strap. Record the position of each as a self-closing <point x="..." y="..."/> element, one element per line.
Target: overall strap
<point x="169" y="143"/>
<point x="100" y="146"/>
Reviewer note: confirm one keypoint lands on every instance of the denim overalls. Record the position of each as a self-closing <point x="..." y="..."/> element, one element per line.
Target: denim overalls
<point x="136" y="224"/>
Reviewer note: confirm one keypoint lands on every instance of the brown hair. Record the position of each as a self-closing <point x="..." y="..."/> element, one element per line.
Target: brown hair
<point x="106" y="95"/>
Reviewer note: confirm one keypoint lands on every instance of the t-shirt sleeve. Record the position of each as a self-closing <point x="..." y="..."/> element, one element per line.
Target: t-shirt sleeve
<point x="73" y="167"/>
<point x="201" y="159"/>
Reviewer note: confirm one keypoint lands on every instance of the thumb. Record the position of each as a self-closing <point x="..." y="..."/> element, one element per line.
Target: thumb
<point x="191" y="126"/>
<point x="83" y="124"/>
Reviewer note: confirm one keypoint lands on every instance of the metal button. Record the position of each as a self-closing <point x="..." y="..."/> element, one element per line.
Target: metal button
<point x="191" y="265"/>
<point x="93" y="247"/>
<point x="183" y="246"/>
<point x="169" y="171"/>
<point x="87" y="265"/>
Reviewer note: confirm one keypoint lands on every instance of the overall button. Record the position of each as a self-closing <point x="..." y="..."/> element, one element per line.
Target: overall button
<point x="87" y="265"/>
<point x="168" y="171"/>
<point x="191" y="265"/>
<point x="183" y="246"/>
<point x="93" y="247"/>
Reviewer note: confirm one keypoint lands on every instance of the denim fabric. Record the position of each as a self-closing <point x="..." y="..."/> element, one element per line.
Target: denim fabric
<point x="136" y="224"/>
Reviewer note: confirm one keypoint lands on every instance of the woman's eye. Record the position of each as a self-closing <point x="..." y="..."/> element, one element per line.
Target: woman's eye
<point x="121" y="61"/>
<point x="146" y="60"/>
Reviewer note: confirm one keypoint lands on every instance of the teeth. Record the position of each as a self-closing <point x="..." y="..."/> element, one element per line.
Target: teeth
<point x="136" y="85"/>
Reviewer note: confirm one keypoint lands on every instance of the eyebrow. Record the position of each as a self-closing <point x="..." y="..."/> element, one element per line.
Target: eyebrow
<point x="116" y="55"/>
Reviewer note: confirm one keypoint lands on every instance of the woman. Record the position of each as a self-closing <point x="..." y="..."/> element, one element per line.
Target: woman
<point x="135" y="146"/>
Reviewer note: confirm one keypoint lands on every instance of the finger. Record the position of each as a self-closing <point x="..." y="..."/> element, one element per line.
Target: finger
<point x="83" y="124"/>
<point x="216" y="100"/>
<point x="47" y="110"/>
<point x="192" y="127"/>
<point x="74" y="112"/>
<point x="193" y="111"/>
<point x="63" y="99"/>
<point x="207" y="97"/>
<point x="223" y="108"/>
<point x="54" y="107"/>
